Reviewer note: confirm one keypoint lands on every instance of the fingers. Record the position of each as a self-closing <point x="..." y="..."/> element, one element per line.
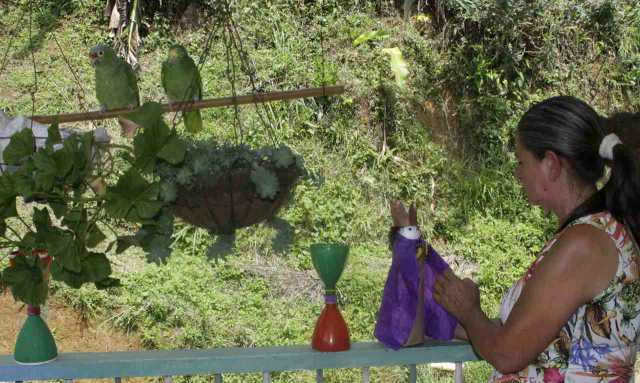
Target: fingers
<point x="447" y="280"/>
<point x="413" y="215"/>
<point x="440" y="285"/>
<point x="449" y="275"/>
<point x="469" y="282"/>
<point x="399" y="214"/>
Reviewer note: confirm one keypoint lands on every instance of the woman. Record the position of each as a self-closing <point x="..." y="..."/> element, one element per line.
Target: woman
<point x="575" y="314"/>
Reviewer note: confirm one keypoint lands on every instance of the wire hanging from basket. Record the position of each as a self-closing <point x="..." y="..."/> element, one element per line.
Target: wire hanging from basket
<point x="233" y="39"/>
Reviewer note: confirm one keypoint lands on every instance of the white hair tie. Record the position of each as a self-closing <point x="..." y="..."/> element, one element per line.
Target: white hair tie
<point x="607" y="144"/>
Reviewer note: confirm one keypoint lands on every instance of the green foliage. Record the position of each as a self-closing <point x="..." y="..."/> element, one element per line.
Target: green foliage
<point x="208" y="161"/>
<point x="370" y="36"/>
<point x="26" y="280"/>
<point x="398" y="65"/>
<point x="265" y="181"/>
<point x="57" y="176"/>
<point x="325" y="214"/>
<point x="156" y="141"/>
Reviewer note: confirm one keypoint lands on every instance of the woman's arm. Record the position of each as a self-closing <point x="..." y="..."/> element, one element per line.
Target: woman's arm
<point x="579" y="266"/>
<point x="461" y="333"/>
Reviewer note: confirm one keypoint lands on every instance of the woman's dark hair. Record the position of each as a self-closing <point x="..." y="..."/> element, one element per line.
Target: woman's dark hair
<point x="627" y="127"/>
<point x="572" y="129"/>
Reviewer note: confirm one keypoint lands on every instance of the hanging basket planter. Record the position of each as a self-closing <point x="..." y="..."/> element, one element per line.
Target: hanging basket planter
<point x="232" y="202"/>
<point x="226" y="187"/>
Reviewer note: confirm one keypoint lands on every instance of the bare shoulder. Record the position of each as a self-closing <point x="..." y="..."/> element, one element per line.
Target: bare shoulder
<point x="585" y="241"/>
<point x="587" y="253"/>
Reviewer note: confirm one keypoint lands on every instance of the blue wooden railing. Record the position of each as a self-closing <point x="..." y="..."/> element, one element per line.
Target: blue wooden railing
<point x="216" y="362"/>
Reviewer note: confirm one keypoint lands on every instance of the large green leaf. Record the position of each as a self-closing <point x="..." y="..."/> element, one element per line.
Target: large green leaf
<point x="28" y="242"/>
<point x="7" y="198"/>
<point x="59" y="208"/>
<point x="64" y="160"/>
<point x="379" y="34"/>
<point x="398" y="65"/>
<point x="59" y="273"/>
<point x="155" y="135"/>
<point x="65" y="250"/>
<point x="7" y="188"/>
<point x="76" y="220"/>
<point x="53" y="135"/>
<point x="155" y="236"/>
<point x="95" y="236"/>
<point x="173" y="151"/>
<point x="81" y="148"/>
<point x="148" y="144"/>
<point x="149" y="208"/>
<point x="42" y="221"/>
<point x="149" y="114"/>
<point x="8" y="209"/>
<point x="46" y="170"/>
<point x="20" y="146"/>
<point x="26" y="281"/>
<point x="133" y="191"/>
<point x="95" y="267"/>
<point x="23" y="180"/>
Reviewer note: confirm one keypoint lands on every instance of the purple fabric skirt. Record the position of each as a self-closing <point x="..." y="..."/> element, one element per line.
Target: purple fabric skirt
<point x="399" y="302"/>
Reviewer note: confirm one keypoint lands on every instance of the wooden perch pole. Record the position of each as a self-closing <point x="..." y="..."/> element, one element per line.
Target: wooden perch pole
<point x="202" y="104"/>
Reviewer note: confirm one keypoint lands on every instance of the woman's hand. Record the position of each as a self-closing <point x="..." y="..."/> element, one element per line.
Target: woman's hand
<point x="460" y="297"/>
<point x="401" y="217"/>
<point x="460" y="333"/>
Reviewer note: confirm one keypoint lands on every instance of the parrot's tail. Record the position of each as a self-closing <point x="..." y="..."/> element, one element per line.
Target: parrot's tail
<point x="127" y="127"/>
<point x="193" y="121"/>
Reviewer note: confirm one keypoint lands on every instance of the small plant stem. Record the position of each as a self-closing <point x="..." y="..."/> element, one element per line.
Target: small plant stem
<point x="133" y="25"/>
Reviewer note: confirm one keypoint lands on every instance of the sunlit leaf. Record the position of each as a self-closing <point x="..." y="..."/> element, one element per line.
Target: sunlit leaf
<point x="398" y="65"/>
<point x="379" y="34"/>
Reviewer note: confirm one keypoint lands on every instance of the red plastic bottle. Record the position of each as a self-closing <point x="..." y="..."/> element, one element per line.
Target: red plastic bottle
<point x="331" y="333"/>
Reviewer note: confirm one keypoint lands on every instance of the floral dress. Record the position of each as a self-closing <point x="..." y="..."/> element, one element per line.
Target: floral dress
<point x="598" y="343"/>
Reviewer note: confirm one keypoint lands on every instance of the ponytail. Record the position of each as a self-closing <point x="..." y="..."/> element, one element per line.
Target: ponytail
<point x="622" y="191"/>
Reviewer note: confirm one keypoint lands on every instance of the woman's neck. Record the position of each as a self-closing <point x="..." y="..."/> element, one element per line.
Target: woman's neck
<point x="569" y="204"/>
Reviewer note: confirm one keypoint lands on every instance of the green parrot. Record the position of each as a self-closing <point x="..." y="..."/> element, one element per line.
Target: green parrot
<point x="181" y="82"/>
<point x="116" y="84"/>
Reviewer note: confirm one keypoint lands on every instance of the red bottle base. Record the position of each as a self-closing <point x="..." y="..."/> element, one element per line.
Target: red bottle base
<point x="331" y="333"/>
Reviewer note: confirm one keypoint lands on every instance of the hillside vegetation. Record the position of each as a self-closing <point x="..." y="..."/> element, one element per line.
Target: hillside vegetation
<point x="443" y="140"/>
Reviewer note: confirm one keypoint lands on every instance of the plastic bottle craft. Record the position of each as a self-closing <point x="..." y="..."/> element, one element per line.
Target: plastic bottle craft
<point x="408" y="312"/>
<point x="35" y="343"/>
<point x="331" y="332"/>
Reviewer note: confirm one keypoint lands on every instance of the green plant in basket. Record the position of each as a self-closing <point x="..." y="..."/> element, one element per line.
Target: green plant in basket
<point x="223" y="187"/>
